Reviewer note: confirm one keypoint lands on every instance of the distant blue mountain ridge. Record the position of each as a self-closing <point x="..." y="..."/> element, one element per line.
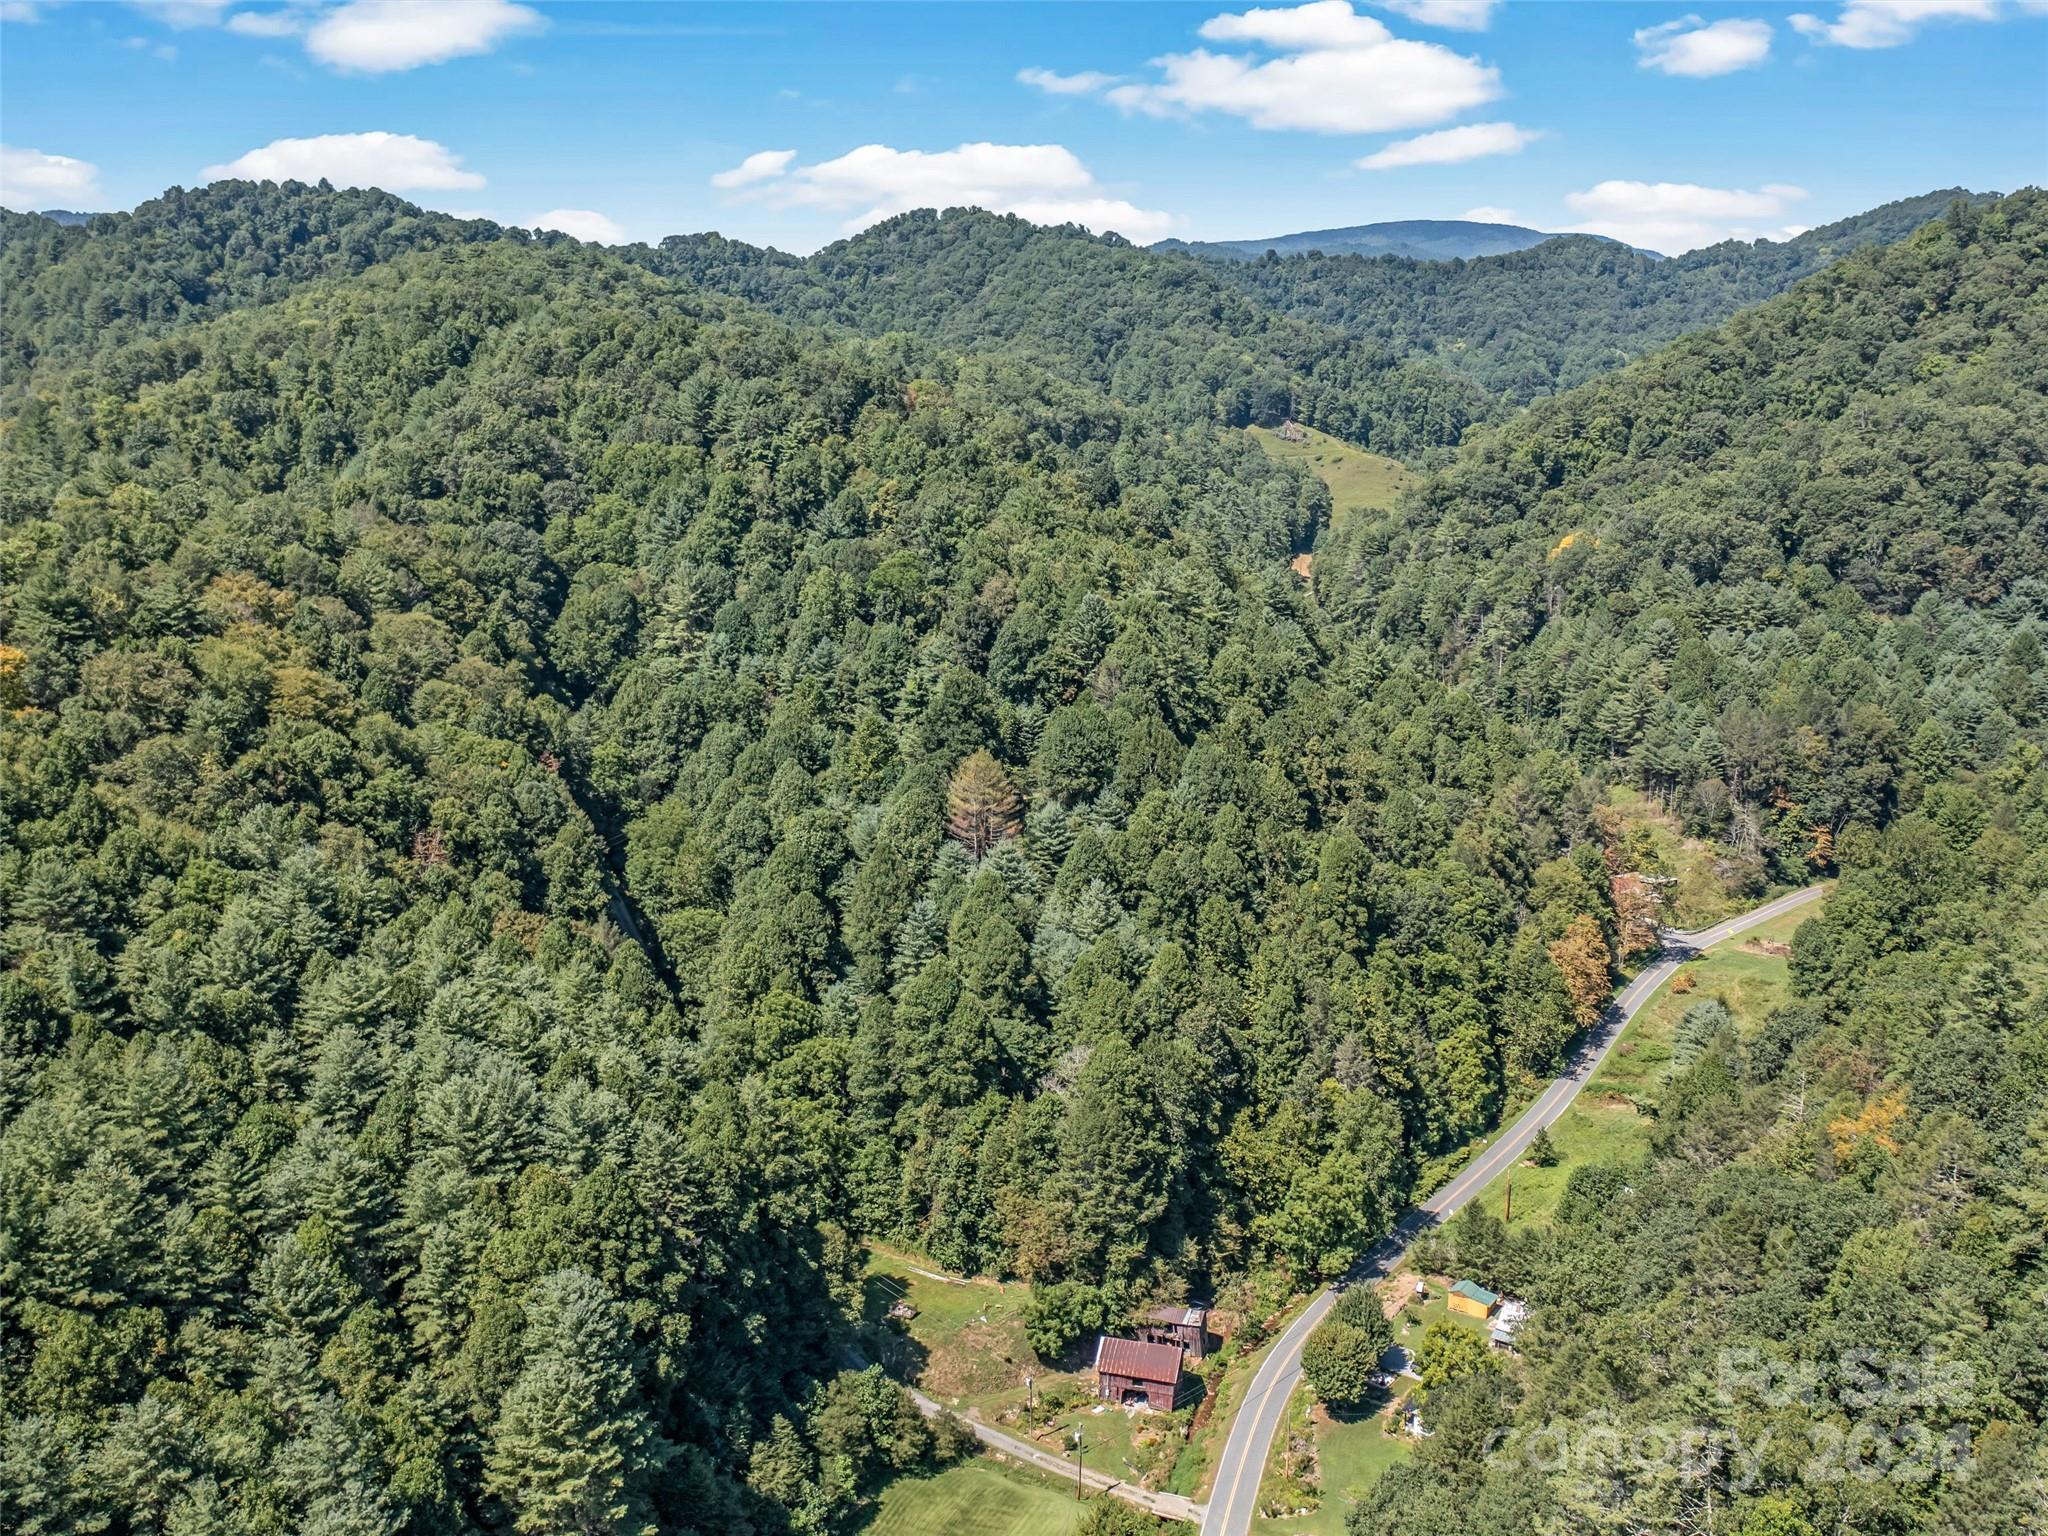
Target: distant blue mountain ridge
<point x="1417" y="239"/>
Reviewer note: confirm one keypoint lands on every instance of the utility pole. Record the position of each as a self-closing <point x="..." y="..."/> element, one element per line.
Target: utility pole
<point x="1077" y="1464"/>
<point x="1030" y="1405"/>
<point x="1507" y="1210"/>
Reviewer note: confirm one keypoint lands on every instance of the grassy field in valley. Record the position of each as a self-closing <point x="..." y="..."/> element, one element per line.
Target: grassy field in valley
<point x="966" y="1344"/>
<point x="1359" y="481"/>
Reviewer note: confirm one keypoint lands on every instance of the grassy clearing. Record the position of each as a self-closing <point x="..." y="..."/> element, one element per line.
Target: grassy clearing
<point x="1607" y="1123"/>
<point x="981" y="1497"/>
<point x="1415" y="1317"/>
<point x="1359" y="481"/>
<point x="1608" y="1131"/>
<point x="966" y="1347"/>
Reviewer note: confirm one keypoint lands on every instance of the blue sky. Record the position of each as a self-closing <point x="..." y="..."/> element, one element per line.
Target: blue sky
<point x="1668" y="125"/>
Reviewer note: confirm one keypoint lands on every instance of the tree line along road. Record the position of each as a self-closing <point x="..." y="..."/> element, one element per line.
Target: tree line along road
<point x="1236" y="1493"/>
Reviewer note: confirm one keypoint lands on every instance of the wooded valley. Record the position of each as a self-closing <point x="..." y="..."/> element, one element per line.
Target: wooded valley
<point x="549" y="795"/>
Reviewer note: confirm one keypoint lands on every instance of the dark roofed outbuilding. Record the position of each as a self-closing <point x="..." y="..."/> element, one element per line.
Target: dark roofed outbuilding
<point x="1186" y="1326"/>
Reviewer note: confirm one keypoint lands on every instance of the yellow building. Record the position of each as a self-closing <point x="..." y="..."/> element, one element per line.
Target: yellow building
<point x="1469" y="1300"/>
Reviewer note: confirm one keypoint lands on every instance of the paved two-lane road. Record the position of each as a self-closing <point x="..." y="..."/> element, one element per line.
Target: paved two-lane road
<point x="1244" y="1455"/>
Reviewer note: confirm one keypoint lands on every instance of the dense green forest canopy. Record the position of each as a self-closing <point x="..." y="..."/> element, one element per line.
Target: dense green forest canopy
<point x="1807" y="550"/>
<point x="1142" y="327"/>
<point x="1146" y="327"/>
<point x="68" y="290"/>
<point x="540" y="806"/>
<point x="1553" y="316"/>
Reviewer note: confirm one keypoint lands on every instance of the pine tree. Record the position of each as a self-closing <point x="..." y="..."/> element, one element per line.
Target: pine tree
<point x="1697" y="1029"/>
<point x="572" y="1450"/>
<point x="982" y="805"/>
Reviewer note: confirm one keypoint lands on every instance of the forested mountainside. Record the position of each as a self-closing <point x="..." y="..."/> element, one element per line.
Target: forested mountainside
<point x="1556" y="315"/>
<point x="1398" y="356"/>
<point x="69" y="289"/>
<point x="1027" y="873"/>
<point x="1816" y="1305"/>
<point x="1802" y="551"/>
<point x="1145" y="329"/>
<point x="1149" y="328"/>
<point x="540" y="807"/>
<point x="1783" y="570"/>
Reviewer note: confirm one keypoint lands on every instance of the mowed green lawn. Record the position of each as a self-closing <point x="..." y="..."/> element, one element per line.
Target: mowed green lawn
<point x="1359" y="481"/>
<point x="975" y="1498"/>
<point x="1604" y="1124"/>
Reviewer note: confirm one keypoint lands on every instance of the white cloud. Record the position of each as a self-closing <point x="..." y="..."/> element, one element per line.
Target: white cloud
<point x="1045" y="183"/>
<point x="582" y="223"/>
<point x="20" y="10"/>
<point x="366" y="36"/>
<point x="759" y="166"/>
<point x="1103" y="215"/>
<point x="1336" y="72"/>
<point x="376" y="36"/>
<point x="1678" y="216"/>
<point x="1888" y="23"/>
<point x="1690" y="46"/>
<point x="29" y="178"/>
<point x="1486" y="215"/>
<point x="1085" y="83"/>
<point x="289" y="22"/>
<point x="397" y="162"/>
<point x="1460" y="15"/>
<point x="1319" y="24"/>
<point x="183" y="13"/>
<point x="1450" y="145"/>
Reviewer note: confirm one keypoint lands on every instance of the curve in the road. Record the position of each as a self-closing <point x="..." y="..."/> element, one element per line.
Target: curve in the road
<point x="1236" y="1493"/>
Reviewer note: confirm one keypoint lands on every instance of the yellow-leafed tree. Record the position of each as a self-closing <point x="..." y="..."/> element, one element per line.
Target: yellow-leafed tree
<point x="982" y="805"/>
<point x="1582" y="960"/>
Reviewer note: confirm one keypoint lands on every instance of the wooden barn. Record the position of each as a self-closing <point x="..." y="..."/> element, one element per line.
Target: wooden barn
<point x="1137" y="1371"/>
<point x="1186" y="1326"/>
